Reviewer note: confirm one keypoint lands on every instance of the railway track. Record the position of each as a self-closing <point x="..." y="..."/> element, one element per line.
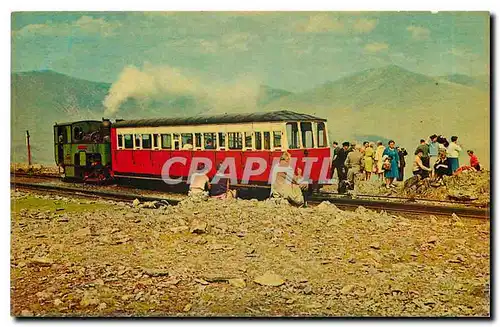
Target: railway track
<point x="342" y="202"/>
<point x="91" y="193"/>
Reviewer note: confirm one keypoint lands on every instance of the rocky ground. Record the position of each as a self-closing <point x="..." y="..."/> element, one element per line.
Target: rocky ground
<point x="35" y="168"/>
<point x="73" y="257"/>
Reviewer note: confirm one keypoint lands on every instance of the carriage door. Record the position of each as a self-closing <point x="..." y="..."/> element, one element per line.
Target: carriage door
<point x="60" y="139"/>
<point x="294" y="142"/>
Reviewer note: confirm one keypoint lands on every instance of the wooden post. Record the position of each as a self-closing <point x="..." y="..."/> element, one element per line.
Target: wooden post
<point x="29" y="148"/>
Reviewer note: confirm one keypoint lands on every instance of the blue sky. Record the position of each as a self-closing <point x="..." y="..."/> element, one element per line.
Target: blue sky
<point x="290" y="50"/>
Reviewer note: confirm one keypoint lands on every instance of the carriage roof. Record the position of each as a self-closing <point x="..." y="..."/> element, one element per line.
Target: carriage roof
<point x="272" y="116"/>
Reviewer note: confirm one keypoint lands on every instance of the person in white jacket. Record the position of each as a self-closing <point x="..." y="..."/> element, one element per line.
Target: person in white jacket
<point x="453" y="152"/>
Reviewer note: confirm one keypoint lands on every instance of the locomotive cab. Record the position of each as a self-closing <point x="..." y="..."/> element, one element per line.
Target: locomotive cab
<point x="82" y="149"/>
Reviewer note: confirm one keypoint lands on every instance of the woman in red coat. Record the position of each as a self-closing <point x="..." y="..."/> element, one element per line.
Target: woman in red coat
<point x="474" y="161"/>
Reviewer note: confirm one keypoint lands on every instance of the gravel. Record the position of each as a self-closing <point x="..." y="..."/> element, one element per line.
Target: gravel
<point x="242" y="258"/>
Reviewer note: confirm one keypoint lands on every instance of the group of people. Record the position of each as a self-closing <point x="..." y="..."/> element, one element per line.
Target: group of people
<point x="286" y="183"/>
<point x="219" y="188"/>
<point x="434" y="158"/>
<point x="438" y="157"/>
<point x="353" y="160"/>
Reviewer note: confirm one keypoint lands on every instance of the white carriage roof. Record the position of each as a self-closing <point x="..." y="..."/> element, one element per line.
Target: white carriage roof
<point x="271" y="116"/>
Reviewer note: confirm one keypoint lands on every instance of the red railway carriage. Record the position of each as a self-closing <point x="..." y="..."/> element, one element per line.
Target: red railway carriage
<point x="141" y="147"/>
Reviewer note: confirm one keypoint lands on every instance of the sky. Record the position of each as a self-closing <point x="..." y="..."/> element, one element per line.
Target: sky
<point x="289" y="50"/>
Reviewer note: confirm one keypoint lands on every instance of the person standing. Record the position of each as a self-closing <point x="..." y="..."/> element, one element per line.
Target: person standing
<point x="379" y="152"/>
<point x="474" y="161"/>
<point x="354" y="164"/>
<point x="453" y="151"/>
<point x="340" y="161"/>
<point x="335" y="150"/>
<point x="391" y="171"/>
<point x="369" y="157"/>
<point x="402" y="153"/>
<point x="433" y="151"/>
<point x="418" y="166"/>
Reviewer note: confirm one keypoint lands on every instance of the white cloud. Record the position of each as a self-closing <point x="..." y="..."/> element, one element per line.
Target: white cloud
<point x="320" y="23"/>
<point x="364" y="25"/>
<point x="418" y="32"/>
<point x="234" y="42"/>
<point x="376" y="47"/>
<point x="84" y="25"/>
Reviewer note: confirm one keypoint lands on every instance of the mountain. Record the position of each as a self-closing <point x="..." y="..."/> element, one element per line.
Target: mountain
<point x="394" y="103"/>
<point x="480" y="82"/>
<point x="41" y="98"/>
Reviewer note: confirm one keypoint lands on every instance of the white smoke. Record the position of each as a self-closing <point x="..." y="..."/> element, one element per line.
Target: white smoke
<point x="156" y="81"/>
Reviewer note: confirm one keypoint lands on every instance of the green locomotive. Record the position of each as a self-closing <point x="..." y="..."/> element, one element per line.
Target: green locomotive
<point x="83" y="150"/>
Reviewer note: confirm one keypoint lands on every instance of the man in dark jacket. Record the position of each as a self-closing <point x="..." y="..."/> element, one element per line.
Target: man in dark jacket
<point x="402" y="153"/>
<point x="339" y="162"/>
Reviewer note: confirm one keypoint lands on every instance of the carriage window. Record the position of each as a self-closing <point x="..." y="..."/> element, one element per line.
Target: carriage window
<point x="137" y="140"/>
<point x="235" y="141"/>
<point x="187" y="141"/>
<point x="176" y="141"/>
<point x="129" y="144"/>
<point x="258" y="140"/>
<point x="292" y="134"/>
<point x="307" y="135"/>
<point x="277" y="139"/>
<point x="321" y="135"/>
<point x="120" y="141"/>
<point x="197" y="140"/>
<point x="267" y="141"/>
<point x="155" y="140"/>
<point x="166" y="141"/>
<point x="146" y="141"/>
<point x="222" y="140"/>
<point x="210" y="141"/>
<point x="248" y="140"/>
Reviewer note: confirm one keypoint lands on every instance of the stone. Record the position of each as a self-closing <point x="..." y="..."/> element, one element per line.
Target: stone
<point x="155" y="272"/>
<point x="26" y="313"/>
<point x="44" y="295"/>
<point x="347" y="289"/>
<point x="151" y="205"/>
<point x="136" y="203"/>
<point x="432" y="239"/>
<point x="237" y="282"/>
<point x="198" y="227"/>
<point x="123" y="240"/>
<point x="269" y="279"/>
<point x="179" y="229"/>
<point x="308" y="290"/>
<point x="126" y="297"/>
<point x="41" y="262"/>
<point x="88" y="300"/>
<point x="375" y="246"/>
<point x="201" y="281"/>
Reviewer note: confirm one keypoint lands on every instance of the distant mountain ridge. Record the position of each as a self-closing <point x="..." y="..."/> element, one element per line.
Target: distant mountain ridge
<point x="386" y="103"/>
